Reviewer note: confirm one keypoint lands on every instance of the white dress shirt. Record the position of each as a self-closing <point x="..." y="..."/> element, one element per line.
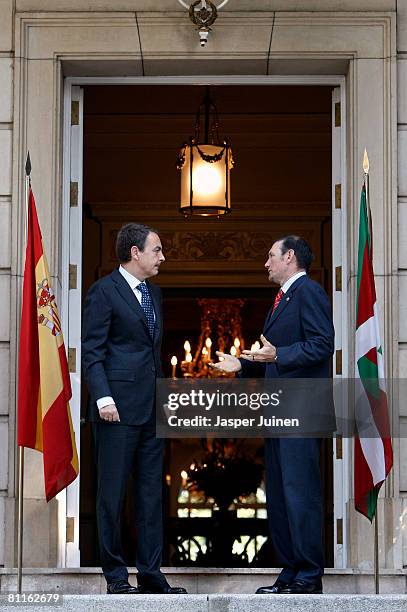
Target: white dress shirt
<point x="133" y="283"/>
<point x="292" y="280"/>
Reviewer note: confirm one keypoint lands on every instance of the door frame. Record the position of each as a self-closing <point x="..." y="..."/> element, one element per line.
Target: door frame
<point x="68" y="552"/>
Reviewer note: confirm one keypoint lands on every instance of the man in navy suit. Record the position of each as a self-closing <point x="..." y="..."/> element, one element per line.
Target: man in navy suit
<point x="298" y="342"/>
<point x="122" y="332"/>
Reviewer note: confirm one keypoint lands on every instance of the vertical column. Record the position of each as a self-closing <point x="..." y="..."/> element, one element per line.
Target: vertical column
<point x="402" y="251"/>
<point x="6" y="133"/>
<point x="340" y="300"/>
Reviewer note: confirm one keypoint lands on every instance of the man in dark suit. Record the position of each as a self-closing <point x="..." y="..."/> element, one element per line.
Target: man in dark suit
<point x="298" y="342"/>
<point x="122" y="332"/>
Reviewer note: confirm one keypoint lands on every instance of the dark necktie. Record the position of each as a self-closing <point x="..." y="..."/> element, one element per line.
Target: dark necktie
<point x="278" y="299"/>
<point x="147" y="306"/>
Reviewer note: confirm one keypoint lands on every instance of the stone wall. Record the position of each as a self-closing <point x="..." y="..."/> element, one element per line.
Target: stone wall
<point x="7" y="375"/>
<point x="168" y="36"/>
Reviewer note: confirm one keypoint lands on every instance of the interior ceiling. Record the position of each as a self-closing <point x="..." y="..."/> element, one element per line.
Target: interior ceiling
<point x="281" y="183"/>
<point x="280" y="136"/>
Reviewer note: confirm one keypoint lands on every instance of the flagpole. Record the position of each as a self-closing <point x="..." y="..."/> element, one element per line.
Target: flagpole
<point x="20" y="515"/>
<point x="375" y="520"/>
<point x="376" y="552"/>
<point x="20" y="518"/>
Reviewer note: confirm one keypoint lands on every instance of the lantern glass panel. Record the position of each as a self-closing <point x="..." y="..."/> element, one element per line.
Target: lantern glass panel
<point x="209" y="182"/>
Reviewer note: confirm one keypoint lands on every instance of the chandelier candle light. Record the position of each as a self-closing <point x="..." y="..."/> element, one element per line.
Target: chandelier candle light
<point x="205" y="167"/>
<point x="174" y="362"/>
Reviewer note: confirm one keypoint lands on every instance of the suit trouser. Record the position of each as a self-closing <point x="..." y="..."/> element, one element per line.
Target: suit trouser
<point x="122" y="450"/>
<point x="294" y="506"/>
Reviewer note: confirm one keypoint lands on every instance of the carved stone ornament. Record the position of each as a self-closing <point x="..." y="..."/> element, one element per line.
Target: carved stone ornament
<point x="203" y="14"/>
<point x="215" y="246"/>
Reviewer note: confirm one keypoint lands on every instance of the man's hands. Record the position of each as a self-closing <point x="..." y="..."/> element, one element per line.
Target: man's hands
<point x="109" y="413"/>
<point x="267" y="353"/>
<point x="227" y="363"/>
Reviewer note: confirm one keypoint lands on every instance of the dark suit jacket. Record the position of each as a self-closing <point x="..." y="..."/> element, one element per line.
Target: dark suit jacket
<point x="302" y="330"/>
<point x="119" y="357"/>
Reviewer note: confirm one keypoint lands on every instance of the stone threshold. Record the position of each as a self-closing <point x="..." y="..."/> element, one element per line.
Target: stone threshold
<point x="220" y="603"/>
<point x="90" y="580"/>
<point x="329" y="571"/>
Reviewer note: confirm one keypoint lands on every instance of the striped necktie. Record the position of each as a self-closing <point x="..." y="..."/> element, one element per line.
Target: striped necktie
<point x="278" y="299"/>
<point x="147" y="306"/>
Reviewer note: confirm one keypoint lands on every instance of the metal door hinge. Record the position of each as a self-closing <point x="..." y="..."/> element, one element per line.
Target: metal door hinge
<point x="72" y="359"/>
<point x="338" y="196"/>
<point x="338" y="445"/>
<point x="75" y="112"/>
<point x="339" y="531"/>
<point x="73" y="276"/>
<point x="70" y="528"/>
<point x="338" y="278"/>
<point x="73" y="196"/>
<point x="339" y="361"/>
<point x="337" y="114"/>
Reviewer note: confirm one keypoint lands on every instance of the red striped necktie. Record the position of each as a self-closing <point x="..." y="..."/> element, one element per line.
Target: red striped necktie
<point x="278" y="299"/>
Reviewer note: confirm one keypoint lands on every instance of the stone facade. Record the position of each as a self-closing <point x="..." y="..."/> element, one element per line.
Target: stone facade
<point x="42" y="41"/>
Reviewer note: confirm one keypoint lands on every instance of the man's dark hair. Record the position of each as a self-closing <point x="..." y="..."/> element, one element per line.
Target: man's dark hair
<point x="131" y="234"/>
<point x="301" y="248"/>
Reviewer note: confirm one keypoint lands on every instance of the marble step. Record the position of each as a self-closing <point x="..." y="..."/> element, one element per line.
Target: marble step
<point x="90" y="580"/>
<point x="216" y="603"/>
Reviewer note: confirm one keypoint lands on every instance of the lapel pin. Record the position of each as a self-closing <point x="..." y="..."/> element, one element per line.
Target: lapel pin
<point x="287" y="299"/>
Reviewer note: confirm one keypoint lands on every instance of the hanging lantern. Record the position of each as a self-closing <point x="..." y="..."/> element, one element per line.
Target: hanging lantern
<point x="205" y="167"/>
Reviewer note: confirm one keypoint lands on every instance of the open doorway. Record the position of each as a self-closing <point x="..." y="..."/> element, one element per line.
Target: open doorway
<point x="282" y="142"/>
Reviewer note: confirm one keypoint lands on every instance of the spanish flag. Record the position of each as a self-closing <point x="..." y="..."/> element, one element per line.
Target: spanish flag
<point x="44" y="388"/>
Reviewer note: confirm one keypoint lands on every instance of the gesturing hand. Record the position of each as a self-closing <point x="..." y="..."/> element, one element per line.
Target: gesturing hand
<point x="266" y="354"/>
<point x="227" y="363"/>
<point x="109" y="413"/>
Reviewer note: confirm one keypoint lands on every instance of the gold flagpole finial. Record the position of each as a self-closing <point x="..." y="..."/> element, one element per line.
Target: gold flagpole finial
<point x="365" y="163"/>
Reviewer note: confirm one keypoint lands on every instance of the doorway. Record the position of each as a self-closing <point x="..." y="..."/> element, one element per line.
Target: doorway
<point x="282" y="141"/>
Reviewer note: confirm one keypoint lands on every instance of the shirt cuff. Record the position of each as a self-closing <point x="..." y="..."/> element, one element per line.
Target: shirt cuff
<point x="104" y="401"/>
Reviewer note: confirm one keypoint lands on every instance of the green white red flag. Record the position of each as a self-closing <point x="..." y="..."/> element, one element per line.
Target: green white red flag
<point x="373" y="449"/>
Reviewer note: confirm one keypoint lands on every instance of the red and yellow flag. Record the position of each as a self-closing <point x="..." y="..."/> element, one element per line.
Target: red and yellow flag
<point x="44" y="388"/>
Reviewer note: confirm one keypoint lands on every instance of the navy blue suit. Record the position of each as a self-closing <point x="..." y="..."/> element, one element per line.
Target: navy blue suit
<point x="301" y="328"/>
<point x="122" y="360"/>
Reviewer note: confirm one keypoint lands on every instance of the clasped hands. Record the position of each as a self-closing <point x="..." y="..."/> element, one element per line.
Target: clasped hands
<point x="228" y="363"/>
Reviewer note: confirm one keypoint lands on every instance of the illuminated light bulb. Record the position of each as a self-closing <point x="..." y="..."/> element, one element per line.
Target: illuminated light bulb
<point x="188" y="357"/>
<point x="208" y="343"/>
<point x="204" y="351"/>
<point x="174" y="362"/>
<point x="256" y="346"/>
<point x="207" y="179"/>
<point x="187" y="346"/>
<point x="192" y="466"/>
<point x="184" y="475"/>
<point x="236" y="342"/>
<point x="233" y="351"/>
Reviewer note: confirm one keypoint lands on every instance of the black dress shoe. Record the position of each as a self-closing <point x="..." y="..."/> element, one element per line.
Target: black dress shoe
<point x="302" y="587"/>
<point x="121" y="587"/>
<point x="161" y="589"/>
<point x="274" y="588"/>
